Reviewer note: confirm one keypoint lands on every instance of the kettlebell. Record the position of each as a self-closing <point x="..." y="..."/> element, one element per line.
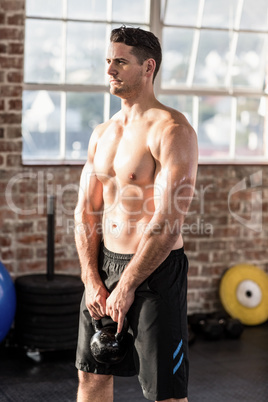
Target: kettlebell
<point x="106" y="345"/>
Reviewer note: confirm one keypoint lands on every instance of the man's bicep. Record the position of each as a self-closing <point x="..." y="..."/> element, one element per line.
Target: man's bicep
<point x="177" y="171"/>
<point x="90" y="190"/>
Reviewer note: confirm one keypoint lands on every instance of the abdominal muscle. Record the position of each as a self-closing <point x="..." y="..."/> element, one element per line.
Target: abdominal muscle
<point x="123" y="231"/>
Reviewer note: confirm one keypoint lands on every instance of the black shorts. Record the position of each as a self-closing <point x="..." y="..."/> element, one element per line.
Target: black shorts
<point x="158" y="323"/>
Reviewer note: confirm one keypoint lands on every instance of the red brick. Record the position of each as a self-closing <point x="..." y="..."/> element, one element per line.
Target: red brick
<point x="194" y="283"/>
<point x="71" y="266"/>
<point x="209" y="294"/>
<point x="15" y="104"/>
<point x="13" y="160"/>
<point x="41" y="253"/>
<point x="16" y="19"/>
<point x="41" y="225"/>
<point x="24" y="226"/>
<point x="32" y="239"/>
<point x="213" y="270"/>
<point x="24" y="253"/>
<point x="8" y="146"/>
<point x="14" y="132"/>
<point x="4" y="215"/>
<point x="9" y="118"/>
<point x="15" y="76"/>
<point x="3" y="48"/>
<point x="5" y="241"/>
<point x="11" y="62"/>
<point x="15" y="48"/>
<point x="7" y="255"/>
<point x="11" y="33"/>
<point x="28" y="185"/>
<point x="193" y="270"/>
<point x="11" y="90"/>
<point x="2" y="18"/>
<point x="10" y="5"/>
<point x="229" y="231"/>
<point x="31" y="266"/>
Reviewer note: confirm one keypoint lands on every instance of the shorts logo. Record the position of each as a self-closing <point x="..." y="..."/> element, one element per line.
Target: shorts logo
<point x="175" y="354"/>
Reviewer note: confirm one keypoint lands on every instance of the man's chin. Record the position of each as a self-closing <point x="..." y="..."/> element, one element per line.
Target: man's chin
<point x="116" y="91"/>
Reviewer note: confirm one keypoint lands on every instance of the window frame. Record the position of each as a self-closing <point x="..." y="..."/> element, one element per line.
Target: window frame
<point x="156" y="25"/>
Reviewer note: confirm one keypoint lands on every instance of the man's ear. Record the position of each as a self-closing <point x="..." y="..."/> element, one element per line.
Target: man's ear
<point x="150" y="66"/>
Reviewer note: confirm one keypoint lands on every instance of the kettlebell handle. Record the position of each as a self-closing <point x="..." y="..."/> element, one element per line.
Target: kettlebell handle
<point x="119" y="336"/>
<point x="97" y="325"/>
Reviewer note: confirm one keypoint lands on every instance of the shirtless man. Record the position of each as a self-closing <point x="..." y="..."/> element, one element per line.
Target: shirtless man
<point x="135" y="190"/>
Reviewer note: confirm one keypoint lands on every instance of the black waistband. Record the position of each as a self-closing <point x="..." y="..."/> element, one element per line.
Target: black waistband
<point x="127" y="257"/>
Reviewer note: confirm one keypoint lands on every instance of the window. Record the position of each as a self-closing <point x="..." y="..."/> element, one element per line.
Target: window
<point x="214" y="71"/>
<point x="66" y="92"/>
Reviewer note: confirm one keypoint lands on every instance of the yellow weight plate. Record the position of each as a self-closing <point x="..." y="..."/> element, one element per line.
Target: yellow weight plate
<point x="244" y="294"/>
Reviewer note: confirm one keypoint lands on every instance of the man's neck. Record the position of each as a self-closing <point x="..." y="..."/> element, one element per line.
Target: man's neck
<point x="134" y="109"/>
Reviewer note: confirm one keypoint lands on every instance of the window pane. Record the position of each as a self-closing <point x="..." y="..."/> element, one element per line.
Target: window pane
<point x="177" y="45"/>
<point x="249" y="65"/>
<point x="47" y="8"/>
<point x="249" y="127"/>
<point x="86" y="53"/>
<point x="131" y="11"/>
<point x="41" y="125"/>
<point x="84" y="112"/>
<point x="212" y="58"/>
<point x="115" y="104"/>
<point x="43" y="60"/>
<point x="214" y="127"/>
<point x="87" y="9"/>
<point x="181" y="12"/>
<point x="219" y="13"/>
<point x="254" y="15"/>
<point x="182" y="103"/>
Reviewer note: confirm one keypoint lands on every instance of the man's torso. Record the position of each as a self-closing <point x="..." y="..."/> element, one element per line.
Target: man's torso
<point x="125" y="165"/>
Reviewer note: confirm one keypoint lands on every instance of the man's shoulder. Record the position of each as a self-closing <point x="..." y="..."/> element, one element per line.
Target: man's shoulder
<point x="170" y="121"/>
<point x="171" y="131"/>
<point x="173" y="115"/>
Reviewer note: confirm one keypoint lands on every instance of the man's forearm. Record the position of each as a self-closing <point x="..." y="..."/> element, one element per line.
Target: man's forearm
<point x="154" y="247"/>
<point x="88" y="238"/>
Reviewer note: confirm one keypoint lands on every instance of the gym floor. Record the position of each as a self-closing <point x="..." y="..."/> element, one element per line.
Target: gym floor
<point x="223" y="370"/>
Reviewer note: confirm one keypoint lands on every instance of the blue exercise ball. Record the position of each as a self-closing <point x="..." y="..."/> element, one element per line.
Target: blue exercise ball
<point x="7" y="301"/>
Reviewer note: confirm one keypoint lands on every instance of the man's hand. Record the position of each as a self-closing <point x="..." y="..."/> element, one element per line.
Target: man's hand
<point x="96" y="300"/>
<point x="118" y="304"/>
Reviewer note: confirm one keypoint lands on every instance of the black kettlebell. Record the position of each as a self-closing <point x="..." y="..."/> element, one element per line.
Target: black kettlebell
<point x="106" y="345"/>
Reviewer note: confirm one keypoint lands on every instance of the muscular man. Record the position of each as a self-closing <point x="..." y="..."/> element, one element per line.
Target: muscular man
<point x="135" y="190"/>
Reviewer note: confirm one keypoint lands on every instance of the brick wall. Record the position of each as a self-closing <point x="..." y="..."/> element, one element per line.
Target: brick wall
<point x="218" y="233"/>
<point x="227" y="225"/>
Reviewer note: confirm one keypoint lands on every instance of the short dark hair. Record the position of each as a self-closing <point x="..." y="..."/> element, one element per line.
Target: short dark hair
<point x="145" y="44"/>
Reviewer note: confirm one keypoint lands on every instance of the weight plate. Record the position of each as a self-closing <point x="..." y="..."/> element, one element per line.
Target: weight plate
<point x="67" y="298"/>
<point x="38" y="284"/>
<point x="49" y="345"/>
<point x="47" y="309"/>
<point x="46" y="321"/>
<point x="49" y="331"/>
<point x="244" y="293"/>
<point x="45" y="338"/>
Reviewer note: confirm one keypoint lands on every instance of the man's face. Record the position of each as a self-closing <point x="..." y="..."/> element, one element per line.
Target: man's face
<point x="125" y="72"/>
